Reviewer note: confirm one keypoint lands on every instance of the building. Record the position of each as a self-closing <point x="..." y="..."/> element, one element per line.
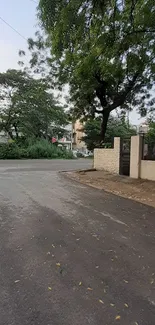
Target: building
<point x="73" y="137"/>
<point x="78" y="134"/>
<point x="67" y="140"/>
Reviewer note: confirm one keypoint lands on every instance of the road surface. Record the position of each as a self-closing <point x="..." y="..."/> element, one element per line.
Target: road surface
<point x="70" y="254"/>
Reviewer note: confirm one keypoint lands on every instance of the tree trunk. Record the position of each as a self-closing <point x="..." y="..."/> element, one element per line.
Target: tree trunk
<point x="10" y="135"/>
<point x="104" y="124"/>
<point x="16" y="131"/>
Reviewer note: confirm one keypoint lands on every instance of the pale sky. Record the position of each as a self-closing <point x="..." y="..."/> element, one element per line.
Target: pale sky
<point x="21" y="15"/>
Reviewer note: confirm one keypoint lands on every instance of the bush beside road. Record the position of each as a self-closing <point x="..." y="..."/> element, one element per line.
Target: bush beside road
<point x="33" y="150"/>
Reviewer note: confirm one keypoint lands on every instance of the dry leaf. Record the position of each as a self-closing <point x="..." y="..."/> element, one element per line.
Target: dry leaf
<point x="136" y="323"/>
<point x="105" y="291"/>
<point x="125" y="281"/>
<point x="118" y="317"/>
<point x="49" y="288"/>
<point x="152" y="281"/>
<point x="80" y="283"/>
<point x="97" y="267"/>
<point x="17" y="281"/>
<point x="126" y="305"/>
<point x="101" y="301"/>
<point x="77" y="239"/>
<point x="58" y="264"/>
<point x="53" y="246"/>
<point x="90" y="289"/>
<point x="112" y="305"/>
<point x="48" y="253"/>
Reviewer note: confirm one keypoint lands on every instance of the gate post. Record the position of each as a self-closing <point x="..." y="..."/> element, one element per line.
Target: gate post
<point x="135" y="156"/>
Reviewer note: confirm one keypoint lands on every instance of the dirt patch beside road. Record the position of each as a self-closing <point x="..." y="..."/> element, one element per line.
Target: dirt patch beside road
<point x="139" y="190"/>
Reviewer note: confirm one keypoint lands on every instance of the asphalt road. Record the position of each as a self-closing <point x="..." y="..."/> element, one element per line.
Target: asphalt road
<point x="70" y="254"/>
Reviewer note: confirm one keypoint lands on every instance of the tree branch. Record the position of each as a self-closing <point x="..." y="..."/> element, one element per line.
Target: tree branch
<point x="140" y="31"/>
<point x="120" y="98"/>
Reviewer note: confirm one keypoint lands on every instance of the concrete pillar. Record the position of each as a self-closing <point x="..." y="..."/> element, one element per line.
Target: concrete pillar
<point x="135" y="156"/>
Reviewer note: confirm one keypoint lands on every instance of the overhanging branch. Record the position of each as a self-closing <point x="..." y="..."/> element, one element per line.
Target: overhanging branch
<point x="120" y="98"/>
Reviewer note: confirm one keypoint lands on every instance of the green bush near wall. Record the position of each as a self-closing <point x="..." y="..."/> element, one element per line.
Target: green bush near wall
<point x="33" y="150"/>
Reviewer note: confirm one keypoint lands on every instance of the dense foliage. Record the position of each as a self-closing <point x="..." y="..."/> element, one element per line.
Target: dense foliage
<point x="150" y="137"/>
<point x="117" y="127"/>
<point x="28" y="108"/>
<point x="33" y="150"/>
<point x="105" y="50"/>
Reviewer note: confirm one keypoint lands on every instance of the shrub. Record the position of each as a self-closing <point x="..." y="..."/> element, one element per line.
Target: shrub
<point x="33" y="150"/>
<point x="9" y="151"/>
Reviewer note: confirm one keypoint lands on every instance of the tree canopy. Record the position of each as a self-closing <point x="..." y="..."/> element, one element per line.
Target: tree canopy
<point x="105" y="50"/>
<point x="28" y="108"/>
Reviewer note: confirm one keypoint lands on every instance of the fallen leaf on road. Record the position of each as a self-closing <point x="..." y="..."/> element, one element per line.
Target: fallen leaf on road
<point x="53" y="246"/>
<point x="112" y="305"/>
<point x="101" y="301"/>
<point x="125" y="281"/>
<point x="77" y="239"/>
<point x="126" y="305"/>
<point x="17" y="281"/>
<point x="118" y="317"/>
<point x="105" y="291"/>
<point x="90" y="289"/>
<point x="97" y="267"/>
<point x="48" y="253"/>
<point x="152" y="281"/>
<point x="136" y="323"/>
<point x="80" y="283"/>
<point x="49" y="288"/>
<point x="58" y="264"/>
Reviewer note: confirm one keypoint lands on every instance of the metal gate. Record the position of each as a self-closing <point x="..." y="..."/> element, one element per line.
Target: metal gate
<point x="125" y="156"/>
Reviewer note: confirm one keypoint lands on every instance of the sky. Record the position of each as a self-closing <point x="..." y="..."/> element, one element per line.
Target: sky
<point x="21" y="15"/>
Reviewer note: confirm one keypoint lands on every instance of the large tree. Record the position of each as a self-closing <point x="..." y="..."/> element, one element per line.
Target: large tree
<point x="28" y="108"/>
<point x="105" y="50"/>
